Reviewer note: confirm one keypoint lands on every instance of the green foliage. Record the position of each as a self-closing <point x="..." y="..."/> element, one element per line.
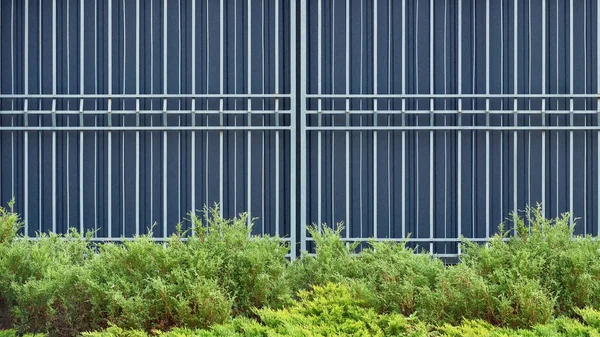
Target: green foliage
<point x="10" y="223"/>
<point x="543" y="251"/>
<point x="8" y="333"/>
<point x="252" y="270"/>
<point x="331" y="310"/>
<point x="29" y="263"/>
<point x="336" y="310"/>
<point x="390" y="276"/>
<point x="219" y="280"/>
<point x="143" y="285"/>
<point x="62" y="285"/>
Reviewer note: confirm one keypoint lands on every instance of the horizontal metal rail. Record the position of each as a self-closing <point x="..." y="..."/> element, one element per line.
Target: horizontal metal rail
<point x="140" y="96"/>
<point x="142" y="128"/>
<point x="143" y="112"/>
<point x="446" y="112"/>
<point x="410" y="239"/>
<point x="453" y="128"/>
<point x="447" y="96"/>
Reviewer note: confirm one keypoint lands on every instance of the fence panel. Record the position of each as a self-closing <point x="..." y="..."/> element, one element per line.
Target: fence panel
<point x="117" y="115"/>
<point x="435" y="119"/>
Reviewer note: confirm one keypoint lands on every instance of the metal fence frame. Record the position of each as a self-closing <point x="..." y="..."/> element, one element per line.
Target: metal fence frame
<point x="371" y="95"/>
<point x="307" y="104"/>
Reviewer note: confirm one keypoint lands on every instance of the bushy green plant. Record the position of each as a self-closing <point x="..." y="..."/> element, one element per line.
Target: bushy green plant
<point x="35" y="262"/>
<point x="252" y="270"/>
<point x="143" y="285"/>
<point x="546" y="251"/>
<point x="10" y="223"/>
<point x="9" y="228"/>
<point x="8" y="333"/>
<point x="331" y="310"/>
<point x="390" y="276"/>
<point x="58" y="304"/>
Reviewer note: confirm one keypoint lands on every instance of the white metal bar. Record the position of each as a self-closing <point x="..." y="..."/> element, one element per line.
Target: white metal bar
<point x="571" y="120"/>
<point x="221" y="80"/>
<point x="263" y="85"/>
<point x="403" y="206"/>
<point x="193" y="115"/>
<point x="96" y="118"/>
<point x="68" y="184"/>
<point x="431" y="122"/>
<point x="347" y="114"/>
<point x="544" y="107"/>
<point x="26" y="123"/>
<point x="110" y="70"/>
<point x="375" y="161"/>
<point x="249" y="89"/>
<point x="293" y="131"/>
<point x="515" y="103"/>
<point x="137" y="120"/>
<point x="303" y="42"/>
<point x="459" y="139"/>
<point x="54" y="79"/>
<point x="319" y="107"/>
<point x="164" y="134"/>
<point x="276" y="52"/>
<point x="12" y="88"/>
<point x="487" y="119"/>
<point x="314" y="96"/>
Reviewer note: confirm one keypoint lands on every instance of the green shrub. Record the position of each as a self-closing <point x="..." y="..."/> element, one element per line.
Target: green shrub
<point x="58" y="304"/>
<point x="26" y="264"/>
<point x="9" y="228"/>
<point x="390" y="276"/>
<point x="8" y="333"/>
<point x="142" y="285"/>
<point x="252" y="270"/>
<point x="567" y="267"/>
<point x="330" y="310"/>
<point x="10" y="223"/>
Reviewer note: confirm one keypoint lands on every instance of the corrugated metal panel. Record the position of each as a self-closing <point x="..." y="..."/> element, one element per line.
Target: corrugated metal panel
<point x="421" y="117"/>
<point x="121" y="114"/>
<point x="448" y="115"/>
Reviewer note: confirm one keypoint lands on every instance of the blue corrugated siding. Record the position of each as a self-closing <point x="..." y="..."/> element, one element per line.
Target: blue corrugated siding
<point x="430" y="171"/>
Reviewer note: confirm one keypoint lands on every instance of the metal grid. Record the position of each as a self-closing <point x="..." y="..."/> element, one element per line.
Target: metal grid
<point x="426" y="118"/>
<point x="428" y="121"/>
<point x="117" y="115"/>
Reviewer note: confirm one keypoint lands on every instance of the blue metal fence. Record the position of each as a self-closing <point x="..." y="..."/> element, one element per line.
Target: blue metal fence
<point x="427" y="118"/>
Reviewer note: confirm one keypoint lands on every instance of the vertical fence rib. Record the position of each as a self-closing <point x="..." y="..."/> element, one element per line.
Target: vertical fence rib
<point x="431" y="123"/>
<point x="249" y="89"/>
<point x="347" y="115"/>
<point x="543" y="107"/>
<point x="221" y="81"/>
<point x="110" y="70"/>
<point x="164" y="119"/>
<point x="303" y="163"/>
<point x="403" y="207"/>
<point x="571" y="114"/>
<point x="515" y="104"/>
<point x="54" y="79"/>
<point x="26" y="123"/>
<point x="137" y="117"/>
<point x="319" y="109"/>
<point x="459" y="135"/>
<point x="276" y="52"/>
<point x="487" y="120"/>
<point x="293" y="115"/>
<point x="193" y="117"/>
<point x="375" y="162"/>
<point x="81" y="77"/>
